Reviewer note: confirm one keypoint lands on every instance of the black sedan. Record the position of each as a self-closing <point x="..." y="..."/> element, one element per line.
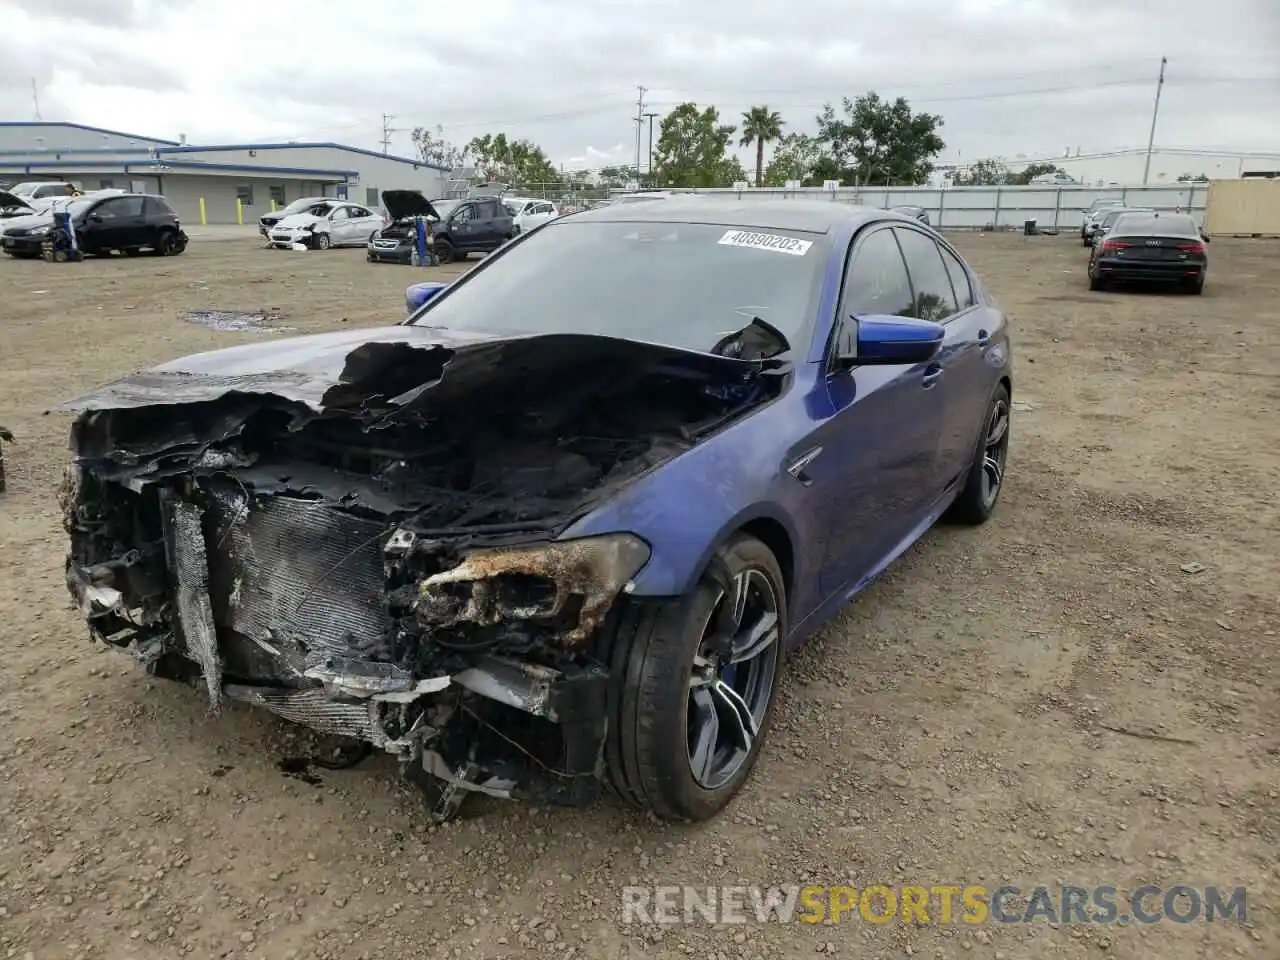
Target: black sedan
<point x="1151" y="247"/>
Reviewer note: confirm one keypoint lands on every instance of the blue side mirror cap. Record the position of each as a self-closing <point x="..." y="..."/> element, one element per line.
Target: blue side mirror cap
<point x="415" y="295"/>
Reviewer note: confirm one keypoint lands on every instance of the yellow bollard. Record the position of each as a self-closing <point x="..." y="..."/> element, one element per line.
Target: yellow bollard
<point x="204" y="220"/>
<point x="239" y="212"/>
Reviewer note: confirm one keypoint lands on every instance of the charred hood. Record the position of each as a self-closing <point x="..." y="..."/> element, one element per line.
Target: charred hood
<point x="402" y="204"/>
<point x="458" y="430"/>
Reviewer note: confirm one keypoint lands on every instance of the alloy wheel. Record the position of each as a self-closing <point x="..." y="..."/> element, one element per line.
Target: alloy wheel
<point x="733" y="678"/>
<point x="995" y="451"/>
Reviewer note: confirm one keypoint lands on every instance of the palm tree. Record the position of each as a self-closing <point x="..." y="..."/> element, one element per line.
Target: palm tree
<point x="761" y="125"/>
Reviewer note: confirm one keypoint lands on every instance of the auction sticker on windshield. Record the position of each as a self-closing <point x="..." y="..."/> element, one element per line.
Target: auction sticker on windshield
<point x="766" y="241"/>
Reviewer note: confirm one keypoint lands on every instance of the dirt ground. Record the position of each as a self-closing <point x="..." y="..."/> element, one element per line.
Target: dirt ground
<point x="1084" y="691"/>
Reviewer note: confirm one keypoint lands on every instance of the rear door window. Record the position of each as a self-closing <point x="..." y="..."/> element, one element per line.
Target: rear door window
<point x="934" y="299"/>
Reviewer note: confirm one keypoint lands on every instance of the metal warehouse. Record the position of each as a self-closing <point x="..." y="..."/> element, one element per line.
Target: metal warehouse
<point x="216" y="183"/>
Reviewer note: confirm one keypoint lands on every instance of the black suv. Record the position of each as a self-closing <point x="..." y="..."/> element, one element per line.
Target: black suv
<point x="128" y="222"/>
<point x="458" y="227"/>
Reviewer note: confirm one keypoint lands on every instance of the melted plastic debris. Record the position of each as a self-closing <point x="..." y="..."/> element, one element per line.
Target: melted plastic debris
<point x="231" y="321"/>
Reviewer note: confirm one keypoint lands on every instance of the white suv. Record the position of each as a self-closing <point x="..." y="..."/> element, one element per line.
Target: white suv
<point x="528" y="213"/>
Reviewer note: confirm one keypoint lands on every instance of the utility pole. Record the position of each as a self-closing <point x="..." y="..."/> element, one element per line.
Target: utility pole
<point x="35" y="99"/>
<point x="387" y="131"/>
<point x="1155" y="112"/>
<point x="639" y="125"/>
<point x="650" y="117"/>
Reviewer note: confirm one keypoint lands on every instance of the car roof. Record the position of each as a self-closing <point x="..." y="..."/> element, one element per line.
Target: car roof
<point x="812" y="216"/>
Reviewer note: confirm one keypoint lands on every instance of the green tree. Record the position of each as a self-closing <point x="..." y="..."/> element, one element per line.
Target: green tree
<point x="1197" y="178"/>
<point x="760" y="125"/>
<point x="432" y="147"/>
<point x="511" y="161"/>
<point x="1034" y="170"/>
<point x="794" y="158"/>
<point x="982" y="173"/>
<point x="876" y="141"/>
<point x="691" y="149"/>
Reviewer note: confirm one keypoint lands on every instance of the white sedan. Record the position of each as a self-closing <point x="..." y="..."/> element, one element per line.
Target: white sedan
<point x="330" y="223"/>
<point x="527" y="213"/>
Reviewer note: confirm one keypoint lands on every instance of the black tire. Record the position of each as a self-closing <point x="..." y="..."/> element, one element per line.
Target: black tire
<point x="167" y="244"/>
<point x="652" y="651"/>
<point x="321" y="241"/>
<point x="1197" y="287"/>
<point x="1097" y="284"/>
<point x="976" y="503"/>
<point x="444" y="251"/>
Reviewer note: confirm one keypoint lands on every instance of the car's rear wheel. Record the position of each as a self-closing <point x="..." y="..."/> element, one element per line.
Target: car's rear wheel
<point x="985" y="480"/>
<point x="694" y="684"/>
<point x="1196" y="286"/>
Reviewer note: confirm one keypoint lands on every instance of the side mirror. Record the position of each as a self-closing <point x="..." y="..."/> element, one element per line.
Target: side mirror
<point x="884" y="340"/>
<point x="415" y="295"/>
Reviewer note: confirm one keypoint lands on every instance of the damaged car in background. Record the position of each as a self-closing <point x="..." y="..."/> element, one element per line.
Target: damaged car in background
<point x="558" y="527"/>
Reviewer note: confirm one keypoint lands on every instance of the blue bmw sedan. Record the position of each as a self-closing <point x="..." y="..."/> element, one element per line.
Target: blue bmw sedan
<point x="558" y="528"/>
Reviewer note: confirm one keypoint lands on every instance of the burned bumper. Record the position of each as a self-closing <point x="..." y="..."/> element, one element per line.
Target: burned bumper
<point x="232" y="603"/>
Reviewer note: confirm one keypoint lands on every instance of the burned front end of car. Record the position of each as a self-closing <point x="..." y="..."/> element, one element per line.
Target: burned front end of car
<point x="375" y="551"/>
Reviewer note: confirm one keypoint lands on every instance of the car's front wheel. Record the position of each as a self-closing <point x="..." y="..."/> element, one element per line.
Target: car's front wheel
<point x="443" y="250"/>
<point x="694" y="684"/>
<point x="321" y="241"/>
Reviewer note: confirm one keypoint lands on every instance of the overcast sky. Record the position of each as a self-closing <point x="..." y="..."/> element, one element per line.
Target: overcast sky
<point x="1010" y="77"/>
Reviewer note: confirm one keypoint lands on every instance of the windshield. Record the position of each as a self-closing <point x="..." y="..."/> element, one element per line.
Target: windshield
<point x="679" y="284"/>
<point x="23" y="189"/>
<point x="444" y="207"/>
<point x="298" y="206"/>
<point x="1150" y="223"/>
<point x="1113" y="215"/>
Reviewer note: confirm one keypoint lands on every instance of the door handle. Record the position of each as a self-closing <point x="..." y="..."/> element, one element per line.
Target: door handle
<point x="932" y="374"/>
<point x="983" y="338"/>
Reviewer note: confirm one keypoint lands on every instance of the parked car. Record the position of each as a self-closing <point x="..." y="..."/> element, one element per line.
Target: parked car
<point x="128" y="222"/>
<point x="561" y="523"/>
<point x="1106" y="217"/>
<point x="910" y="210"/>
<point x="1151" y="247"/>
<point x="1057" y="178"/>
<point x="42" y="189"/>
<point x="527" y="213"/>
<point x="329" y="223"/>
<point x="1091" y="214"/>
<point x="457" y="227"/>
<point x="269" y="220"/>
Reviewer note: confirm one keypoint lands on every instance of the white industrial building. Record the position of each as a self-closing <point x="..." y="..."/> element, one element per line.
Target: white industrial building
<point x="216" y="183"/>
<point x="1125" y="167"/>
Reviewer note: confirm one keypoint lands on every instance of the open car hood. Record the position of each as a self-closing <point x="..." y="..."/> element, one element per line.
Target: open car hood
<point x="402" y="204"/>
<point x="11" y="202"/>
<point x="373" y="372"/>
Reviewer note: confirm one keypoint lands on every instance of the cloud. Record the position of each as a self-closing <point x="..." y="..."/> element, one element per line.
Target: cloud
<point x="1029" y="77"/>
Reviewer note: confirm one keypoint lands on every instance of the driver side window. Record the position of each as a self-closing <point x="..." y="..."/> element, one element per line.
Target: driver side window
<point x="465" y="214"/>
<point x="876" y="281"/>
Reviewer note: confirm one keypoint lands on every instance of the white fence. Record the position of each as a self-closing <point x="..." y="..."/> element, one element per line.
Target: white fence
<point x="993" y="208"/>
